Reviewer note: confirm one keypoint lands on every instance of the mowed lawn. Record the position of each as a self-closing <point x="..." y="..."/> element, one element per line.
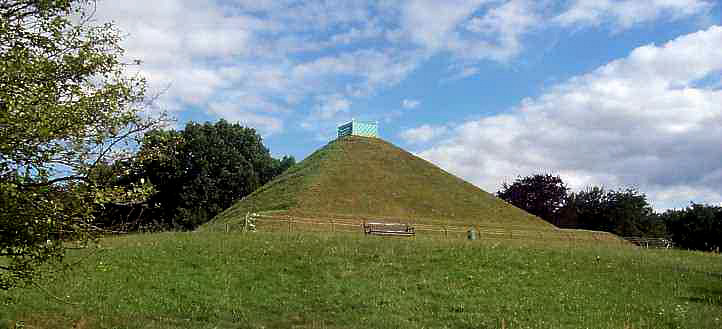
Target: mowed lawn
<point x="315" y="280"/>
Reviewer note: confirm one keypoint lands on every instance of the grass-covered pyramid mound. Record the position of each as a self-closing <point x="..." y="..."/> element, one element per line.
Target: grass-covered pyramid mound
<point x="368" y="178"/>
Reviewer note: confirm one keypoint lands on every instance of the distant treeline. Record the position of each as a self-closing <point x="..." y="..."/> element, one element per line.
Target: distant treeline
<point x="193" y="173"/>
<point x="624" y="212"/>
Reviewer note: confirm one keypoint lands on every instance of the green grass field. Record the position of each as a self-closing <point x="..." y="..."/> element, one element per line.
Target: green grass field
<point x="312" y="280"/>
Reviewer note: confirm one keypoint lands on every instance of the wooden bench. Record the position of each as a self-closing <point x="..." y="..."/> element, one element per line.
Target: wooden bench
<point x="389" y="229"/>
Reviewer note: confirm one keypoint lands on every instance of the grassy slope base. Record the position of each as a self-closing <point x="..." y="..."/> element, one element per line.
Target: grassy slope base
<point x="276" y="280"/>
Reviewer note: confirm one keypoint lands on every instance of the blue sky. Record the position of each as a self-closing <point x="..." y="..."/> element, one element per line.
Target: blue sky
<point x="602" y="92"/>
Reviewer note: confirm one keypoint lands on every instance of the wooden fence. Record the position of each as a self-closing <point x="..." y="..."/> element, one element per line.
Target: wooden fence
<point x="279" y="222"/>
<point x="659" y="243"/>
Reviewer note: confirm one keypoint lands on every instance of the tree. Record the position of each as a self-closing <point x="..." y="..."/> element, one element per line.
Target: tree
<point x="590" y="206"/>
<point x="67" y="107"/>
<point x="624" y="212"/>
<point x="696" y="227"/>
<point x="541" y="195"/>
<point x="199" y="172"/>
<point x="628" y="212"/>
<point x="279" y="166"/>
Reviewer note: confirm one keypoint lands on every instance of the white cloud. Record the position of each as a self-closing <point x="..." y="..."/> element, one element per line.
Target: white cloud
<point x="267" y="125"/>
<point x="281" y="56"/>
<point x="626" y="13"/>
<point x="475" y="30"/>
<point x="461" y="72"/>
<point x="331" y="105"/>
<point x="423" y="134"/>
<point x="410" y="103"/>
<point x="204" y="53"/>
<point x="497" y="34"/>
<point x="470" y="30"/>
<point x="639" y="120"/>
<point x="430" y="22"/>
<point x="680" y="196"/>
<point x="328" y="111"/>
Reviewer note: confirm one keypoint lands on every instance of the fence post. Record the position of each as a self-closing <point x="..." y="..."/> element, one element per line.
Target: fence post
<point x="290" y="221"/>
<point x="333" y="227"/>
<point x="227" y="228"/>
<point x="446" y="233"/>
<point x="246" y="222"/>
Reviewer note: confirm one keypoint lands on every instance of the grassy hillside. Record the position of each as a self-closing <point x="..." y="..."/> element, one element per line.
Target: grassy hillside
<point x="370" y="178"/>
<point x="276" y="280"/>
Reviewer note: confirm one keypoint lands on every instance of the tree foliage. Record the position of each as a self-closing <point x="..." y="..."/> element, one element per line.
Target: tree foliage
<point x="624" y="212"/>
<point x="67" y="107"/>
<point x="197" y="173"/>
<point x="696" y="227"/>
<point x="541" y="195"/>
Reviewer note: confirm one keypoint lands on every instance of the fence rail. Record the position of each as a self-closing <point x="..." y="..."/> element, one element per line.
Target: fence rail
<point x="660" y="243"/>
<point x="282" y="222"/>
